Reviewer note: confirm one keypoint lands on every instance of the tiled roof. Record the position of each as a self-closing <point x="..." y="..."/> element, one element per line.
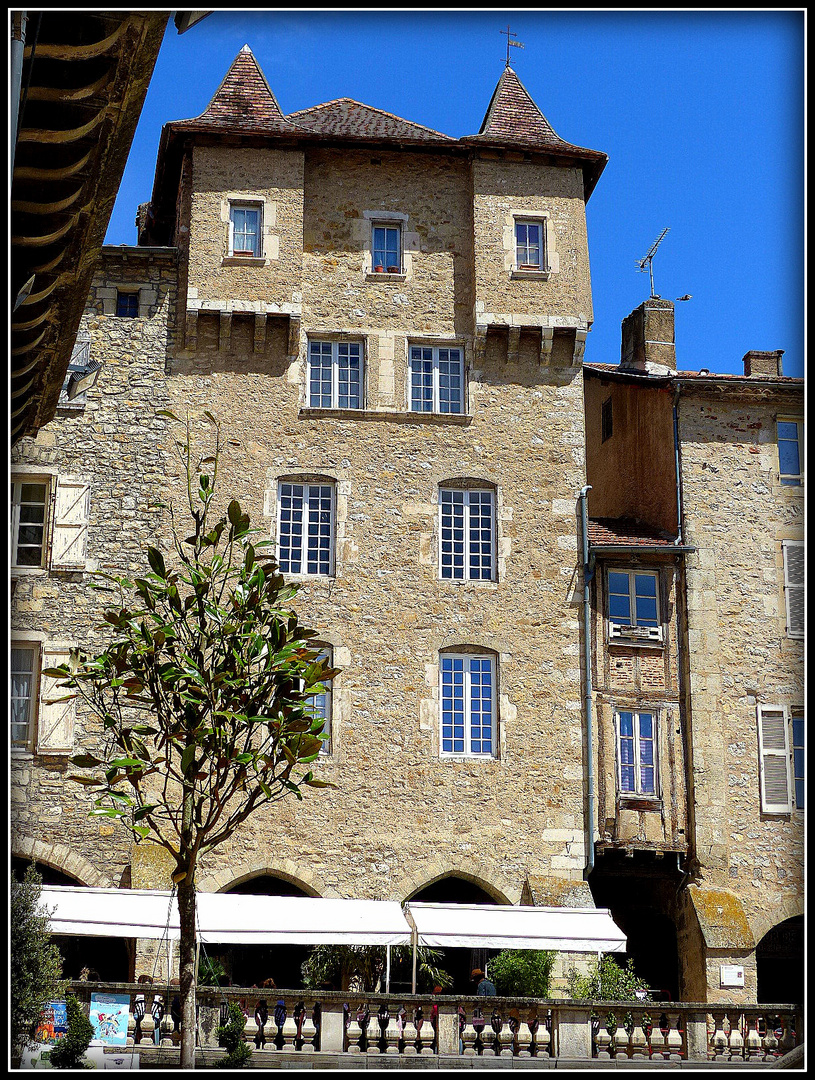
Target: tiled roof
<point x="243" y="100"/>
<point x="351" y="119"/>
<point x="514" y="118"/>
<point x="749" y="380"/>
<point x="627" y="532"/>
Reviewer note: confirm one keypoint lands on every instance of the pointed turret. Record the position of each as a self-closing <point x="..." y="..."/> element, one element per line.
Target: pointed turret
<point x="513" y="120"/>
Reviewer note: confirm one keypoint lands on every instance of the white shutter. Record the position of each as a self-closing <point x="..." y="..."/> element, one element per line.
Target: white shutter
<point x="70" y="542"/>
<point x="774" y="758"/>
<point x="794" y="586"/>
<point x="55" y="729"/>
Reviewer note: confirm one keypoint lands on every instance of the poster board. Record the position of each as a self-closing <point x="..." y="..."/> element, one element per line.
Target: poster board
<point x="109" y="1014"/>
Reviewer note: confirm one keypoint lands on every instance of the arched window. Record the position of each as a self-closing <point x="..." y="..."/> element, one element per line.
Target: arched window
<point x="467" y="534"/>
<point x="306" y="517"/>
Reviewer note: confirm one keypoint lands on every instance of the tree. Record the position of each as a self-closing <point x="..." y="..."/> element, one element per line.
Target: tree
<point x="608" y="981"/>
<point x="203" y="694"/>
<point x="522" y="972"/>
<point x="36" y="964"/>
<point x="69" y="1052"/>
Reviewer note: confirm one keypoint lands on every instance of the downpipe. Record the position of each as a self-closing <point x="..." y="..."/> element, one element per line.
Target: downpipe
<point x="588" y="574"/>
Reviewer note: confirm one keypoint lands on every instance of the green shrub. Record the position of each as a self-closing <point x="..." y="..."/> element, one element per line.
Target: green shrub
<point x="69" y="1051"/>
<point x="522" y="972"/>
<point x="608" y="981"/>
<point x="210" y="971"/>
<point x="230" y="1035"/>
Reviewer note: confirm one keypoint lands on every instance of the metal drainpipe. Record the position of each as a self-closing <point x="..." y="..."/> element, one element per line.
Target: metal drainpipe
<point x="18" y="22"/>
<point x="588" y="573"/>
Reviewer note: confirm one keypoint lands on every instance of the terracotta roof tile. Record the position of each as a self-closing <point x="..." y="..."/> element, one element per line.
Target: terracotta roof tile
<point x="351" y="119"/>
<point x="750" y="380"/>
<point x="627" y="532"/>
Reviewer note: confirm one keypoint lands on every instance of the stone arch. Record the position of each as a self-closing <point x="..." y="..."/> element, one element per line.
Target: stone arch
<point x="764" y="921"/>
<point x="488" y="878"/>
<point x="301" y="876"/>
<point x="61" y="857"/>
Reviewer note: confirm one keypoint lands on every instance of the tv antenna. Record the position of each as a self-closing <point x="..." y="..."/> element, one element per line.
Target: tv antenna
<point x="645" y="264"/>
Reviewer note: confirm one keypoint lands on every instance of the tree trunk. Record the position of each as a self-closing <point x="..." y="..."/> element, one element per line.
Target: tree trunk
<point x="186" y="969"/>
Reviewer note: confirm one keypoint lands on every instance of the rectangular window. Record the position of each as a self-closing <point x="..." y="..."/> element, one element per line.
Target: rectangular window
<point x="127" y="305"/>
<point x="436" y="379"/>
<point x="467" y="705"/>
<point x="636" y="745"/>
<point x="606" y="421"/>
<point x="793" y="551"/>
<point x="790" y="447"/>
<point x="306" y="528"/>
<point x="320" y="705"/>
<point x="774" y="759"/>
<point x="387" y="249"/>
<point x="23" y="673"/>
<point x="29" y="500"/>
<point x="633" y="605"/>
<point x="530" y="245"/>
<point x="798" y="757"/>
<point x="335" y="374"/>
<point x="466" y="534"/>
<point x="244" y="230"/>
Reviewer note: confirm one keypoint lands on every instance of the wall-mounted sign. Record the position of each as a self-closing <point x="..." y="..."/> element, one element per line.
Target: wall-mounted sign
<point x="731" y="976"/>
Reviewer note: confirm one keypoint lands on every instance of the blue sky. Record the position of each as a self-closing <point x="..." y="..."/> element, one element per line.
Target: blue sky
<point x="700" y="113"/>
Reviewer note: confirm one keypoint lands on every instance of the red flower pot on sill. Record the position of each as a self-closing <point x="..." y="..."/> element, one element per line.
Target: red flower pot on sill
<point x="393" y="270"/>
<point x="379" y="269"/>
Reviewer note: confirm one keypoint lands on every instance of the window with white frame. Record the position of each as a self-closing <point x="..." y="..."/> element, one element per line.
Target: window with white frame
<point x="790" y="435"/>
<point x="305" y="528"/>
<point x="24" y="660"/>
<point x="781" y="758"/>
<point x="793" y="552"/>
<point x="386" y="248"/>
<point x="29" y="505"/>
<point x="320" y="704"/>
<point x="466" y="534"/>
<point x="468" y="705"/>
<point x="637" y="753"/>
<point x="245" y="237"/>
<point x="335" y="374"/>
<point x="530" y="245"/>
<point x="436" y="379"/>
<point x="633" y="605"/>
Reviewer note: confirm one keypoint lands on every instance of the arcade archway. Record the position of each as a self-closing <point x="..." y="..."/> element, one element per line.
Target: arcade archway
<point x="780" y="964"/>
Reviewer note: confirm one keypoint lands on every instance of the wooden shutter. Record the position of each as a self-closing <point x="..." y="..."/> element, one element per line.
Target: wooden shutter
<point x="794" y="586"/>
<point x="55" y="728"/>
<point x="774" y="758"/>
<point x="70" y="542"/>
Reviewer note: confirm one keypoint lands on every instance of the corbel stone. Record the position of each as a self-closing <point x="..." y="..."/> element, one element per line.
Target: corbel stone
<point x="259" y="343"/>
<point x="513" y="344"/>
<point x="191" y="330"/>
<point x="224" y="331"/>
<point x="579" y="347"/>
<point x="547" y="339"/>
<point x="294" y="336"/>
<point x="480" y="344"/>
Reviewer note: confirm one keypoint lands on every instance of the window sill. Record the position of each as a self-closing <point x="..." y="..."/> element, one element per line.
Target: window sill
<point x="530" y="275"/>
<point x="640" y="802"/>
<point x="403" y="416"/>
<point x="243" y="260"/>
<point x="305" y="578"/>
<point x="384" y="276"/>
<point x="28" y="571"/>
<point x="472" y="583"/>
<point x="462" y="758"/>
<point x="634" y="643"/>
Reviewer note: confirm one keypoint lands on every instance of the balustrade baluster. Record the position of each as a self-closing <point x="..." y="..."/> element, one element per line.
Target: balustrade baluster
<point x="657" y="1043"/>
<point x="736" y="1039"/>
<point x="469" y="1037"/>
<point x="354" y="1033"/>
<point x="620" y="1039"/>
<point x="409" y="1035"/>
<point x="602" y="1040"/>
<point x="147" y="1028"/>
<point x="718" y="1042"/>
<point x="542" y="1037"/>
<point x="506" y="1039"/>
<point x="425" y="1035"/>
<point x="289" y="1033"/>
<point x="306" y="1032"/>
<point x="638" y="1041"/>
<point x="251" y="1032"/>
<point x="753" y="1042"/>
<point x="788" y="1039"/>
<point x="674" y="1039"/>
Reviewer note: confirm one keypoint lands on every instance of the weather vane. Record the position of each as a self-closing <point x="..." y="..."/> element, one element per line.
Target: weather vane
<point x="516" y="44"/>
<point x="645" y="263"/>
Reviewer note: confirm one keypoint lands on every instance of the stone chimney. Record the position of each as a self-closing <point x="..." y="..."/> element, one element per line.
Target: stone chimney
<point x="766" y="364"/>
<point x="648" y="338"/>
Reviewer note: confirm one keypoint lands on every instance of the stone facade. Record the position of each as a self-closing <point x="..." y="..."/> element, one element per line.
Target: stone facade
<point x="228" y="333"/>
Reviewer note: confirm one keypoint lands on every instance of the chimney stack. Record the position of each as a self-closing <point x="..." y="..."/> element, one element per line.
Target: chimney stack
<point x="648" y="344"/>
<point x="765" y="364"/>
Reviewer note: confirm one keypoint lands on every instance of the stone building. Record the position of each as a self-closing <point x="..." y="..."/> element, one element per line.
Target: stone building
<point x="389" y="325"/>
<point x="696" y="543"/>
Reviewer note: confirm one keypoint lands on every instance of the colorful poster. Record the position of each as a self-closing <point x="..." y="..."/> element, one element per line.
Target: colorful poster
<point x="109" y="1015"/>
<point x="53" y="1024"/>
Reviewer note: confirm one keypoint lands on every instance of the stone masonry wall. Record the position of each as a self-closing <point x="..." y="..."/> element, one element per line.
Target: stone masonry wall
<point x="737" y="513"/>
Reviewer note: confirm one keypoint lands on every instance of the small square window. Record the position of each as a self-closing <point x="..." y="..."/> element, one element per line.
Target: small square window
<point x="530" y="245"/>
<point x="127" y="305"/>
<point x="633" y="605"/>
<point x="244" y="230"/>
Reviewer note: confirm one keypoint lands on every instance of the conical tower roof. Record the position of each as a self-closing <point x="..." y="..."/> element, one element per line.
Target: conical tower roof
<point x="514" y="120"/>
<point x="244" y="100"/>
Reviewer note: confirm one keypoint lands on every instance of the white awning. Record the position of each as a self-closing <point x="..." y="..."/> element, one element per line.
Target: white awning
<point x="488" y="926"/>
<point x="233" y="918"/>
<point x="246" y="919"/>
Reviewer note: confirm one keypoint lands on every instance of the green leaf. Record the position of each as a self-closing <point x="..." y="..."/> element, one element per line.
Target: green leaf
<point x="168" y="414"/>
<point x="187" y="758"/>
<point x="234" y="512"/>
<point x="85" y="761"/>
<point x="156" y="560"/>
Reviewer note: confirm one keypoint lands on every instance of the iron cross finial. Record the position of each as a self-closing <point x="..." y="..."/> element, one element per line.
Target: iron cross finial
<point x="515" y="44"/>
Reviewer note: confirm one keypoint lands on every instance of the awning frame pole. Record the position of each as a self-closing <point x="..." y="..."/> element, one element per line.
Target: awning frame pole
<point x="415" y="950"/>
<point x="387" y="969"/>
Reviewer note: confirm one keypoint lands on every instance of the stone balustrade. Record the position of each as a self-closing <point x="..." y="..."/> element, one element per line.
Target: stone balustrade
<point x="370" y="1025"/>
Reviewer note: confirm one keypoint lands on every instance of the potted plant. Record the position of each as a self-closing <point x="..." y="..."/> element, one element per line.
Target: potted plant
<point x="379" y="269"/>
<point x="394" y="270"/>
